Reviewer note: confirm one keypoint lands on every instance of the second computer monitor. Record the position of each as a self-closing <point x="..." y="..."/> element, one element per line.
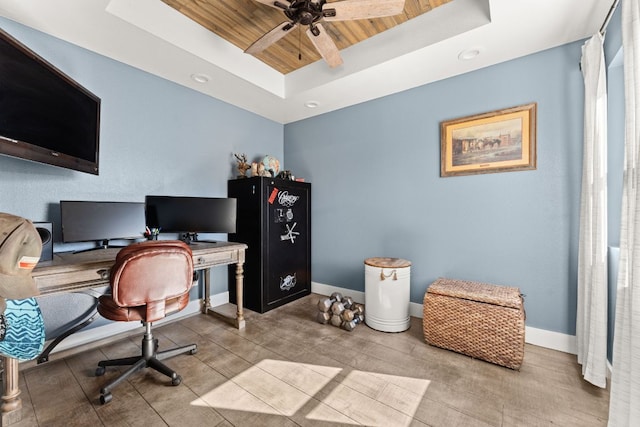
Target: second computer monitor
<point x="191" y="215"/>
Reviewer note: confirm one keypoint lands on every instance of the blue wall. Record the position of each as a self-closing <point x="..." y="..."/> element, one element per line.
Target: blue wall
<point x="377" y="190"/>
<point x="156" y="138"/>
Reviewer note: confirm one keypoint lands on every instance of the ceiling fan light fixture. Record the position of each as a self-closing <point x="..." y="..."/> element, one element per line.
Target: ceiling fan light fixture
<point x="200" y="78"/>
<point x="469" y="54"/>
<point x="310" y="13"/>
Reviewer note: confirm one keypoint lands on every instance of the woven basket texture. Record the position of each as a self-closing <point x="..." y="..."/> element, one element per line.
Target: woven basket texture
<point x="480" y="320"/>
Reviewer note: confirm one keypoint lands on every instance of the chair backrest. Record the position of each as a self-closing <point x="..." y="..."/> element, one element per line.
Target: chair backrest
<point x="151" y="272"/>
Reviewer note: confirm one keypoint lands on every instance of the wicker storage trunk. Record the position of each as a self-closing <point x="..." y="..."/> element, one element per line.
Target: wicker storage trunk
<point x="477" y="319"/>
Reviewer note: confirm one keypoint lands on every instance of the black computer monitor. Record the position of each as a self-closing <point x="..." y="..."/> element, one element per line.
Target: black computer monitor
<point x="191" y="215"/>
<point x="101" y="222"/>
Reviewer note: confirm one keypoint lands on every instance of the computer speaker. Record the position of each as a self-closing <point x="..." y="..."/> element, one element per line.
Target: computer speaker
<point x="45" y="230"/>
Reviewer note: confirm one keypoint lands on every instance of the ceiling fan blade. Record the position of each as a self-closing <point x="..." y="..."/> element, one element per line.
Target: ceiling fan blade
<point x="271" y="37"/>
<point x="361" y="9"/>
<point x="325" y="45"/>
<point x="272" y="3"/>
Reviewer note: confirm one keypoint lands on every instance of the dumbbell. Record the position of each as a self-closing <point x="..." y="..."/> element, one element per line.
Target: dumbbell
<point x="337" y="308"/>
<point x="358" y="307"/>
<point x="350" y="326"/>
<point x="323" y="317"/>
<point x="354" y="311"/>
<point x="348" y="315"/>
<point x="347" y="302"/>
<point x="324" y="304"/>
<point x="336" y="320"/>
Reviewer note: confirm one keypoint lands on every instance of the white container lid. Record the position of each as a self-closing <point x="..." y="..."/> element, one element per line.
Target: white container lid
<point x="383" y="262"/>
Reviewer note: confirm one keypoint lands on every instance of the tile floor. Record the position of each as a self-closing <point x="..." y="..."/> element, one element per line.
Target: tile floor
<point x="285" y="369"/>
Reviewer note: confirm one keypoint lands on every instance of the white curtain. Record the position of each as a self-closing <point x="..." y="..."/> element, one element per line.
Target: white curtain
<point x="591" y="319"/>
<point x="624" y="406"/>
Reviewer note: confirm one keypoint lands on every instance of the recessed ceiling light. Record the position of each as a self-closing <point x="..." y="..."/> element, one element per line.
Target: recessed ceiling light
<point x="311" y="104"/>
<point x="200" y="78"/>
<point x="468" y="54"/>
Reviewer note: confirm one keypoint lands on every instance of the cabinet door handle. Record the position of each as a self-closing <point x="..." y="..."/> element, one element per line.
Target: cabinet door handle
<point x="104" y="274"/>
<point x="200" y="260"/>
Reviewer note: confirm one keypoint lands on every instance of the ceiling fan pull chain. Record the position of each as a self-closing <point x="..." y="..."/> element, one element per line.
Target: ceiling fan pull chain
<point x="299" y="44"/>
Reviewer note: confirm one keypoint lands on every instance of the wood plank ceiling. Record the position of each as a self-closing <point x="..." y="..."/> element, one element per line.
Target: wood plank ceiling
<point x="241" y="22"/>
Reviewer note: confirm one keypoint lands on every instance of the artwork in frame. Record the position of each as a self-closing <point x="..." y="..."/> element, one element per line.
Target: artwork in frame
<point x="498" y="141"/>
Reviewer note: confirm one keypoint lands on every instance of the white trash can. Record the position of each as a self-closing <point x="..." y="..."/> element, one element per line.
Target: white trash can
<point x="387" y="288"/>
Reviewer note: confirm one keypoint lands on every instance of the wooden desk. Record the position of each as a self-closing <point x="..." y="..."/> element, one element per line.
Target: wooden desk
<point x="69" y="272"/>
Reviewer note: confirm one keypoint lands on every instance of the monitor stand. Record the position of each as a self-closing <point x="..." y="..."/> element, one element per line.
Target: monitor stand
<point x="102" y="244"/>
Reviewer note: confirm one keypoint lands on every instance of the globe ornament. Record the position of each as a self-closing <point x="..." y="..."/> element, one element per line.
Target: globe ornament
<point x="271" y="164"/>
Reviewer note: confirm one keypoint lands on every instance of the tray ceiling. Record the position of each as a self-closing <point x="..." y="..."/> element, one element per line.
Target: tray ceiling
<point x="241" y="22"/>
<point x="444" y="39"/>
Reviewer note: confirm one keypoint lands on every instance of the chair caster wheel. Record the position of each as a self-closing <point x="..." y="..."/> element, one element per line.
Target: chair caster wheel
<point x="176" y="380"/>
<point x="100" y="371"/>
<point x="105" y="398"/>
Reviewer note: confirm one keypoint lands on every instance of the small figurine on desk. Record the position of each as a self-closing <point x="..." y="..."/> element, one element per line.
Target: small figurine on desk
<point x="243" y="166"/>
<point x="151" y="233"/>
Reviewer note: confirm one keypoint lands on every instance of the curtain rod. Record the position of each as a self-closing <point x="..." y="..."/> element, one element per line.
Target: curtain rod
<point x="603" y="28"/>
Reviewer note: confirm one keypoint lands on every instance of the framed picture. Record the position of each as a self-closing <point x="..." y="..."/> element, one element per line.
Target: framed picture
<point x="498" y="141"/>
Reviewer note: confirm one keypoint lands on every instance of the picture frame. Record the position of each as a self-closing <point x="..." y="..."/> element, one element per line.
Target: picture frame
<point x="497" y="141"/>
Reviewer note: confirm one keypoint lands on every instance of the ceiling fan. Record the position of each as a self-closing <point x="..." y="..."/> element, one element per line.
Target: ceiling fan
<point x="310" y="13"/>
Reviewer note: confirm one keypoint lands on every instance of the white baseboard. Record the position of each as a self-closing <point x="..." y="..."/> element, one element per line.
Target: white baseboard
<point x="322" y="289"/>
<point x="87" y="336"/>
<point x="540" y="337"/>
<point x="549" y="339"/>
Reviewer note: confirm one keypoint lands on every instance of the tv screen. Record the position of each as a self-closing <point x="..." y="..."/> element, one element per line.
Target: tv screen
<point x="192" y="215"/>
<point x="87" y="221"/>
<point x="45" y="116"/>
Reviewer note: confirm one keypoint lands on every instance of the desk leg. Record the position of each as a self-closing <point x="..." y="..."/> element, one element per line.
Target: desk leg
<point x="206" y="299"/>
<point x="237" y="318"/>
<point x="11" y="402"/>
<point x="239" y="295"/>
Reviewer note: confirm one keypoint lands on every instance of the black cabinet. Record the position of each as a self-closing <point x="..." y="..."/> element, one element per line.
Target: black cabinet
<point x="274" y="220"/>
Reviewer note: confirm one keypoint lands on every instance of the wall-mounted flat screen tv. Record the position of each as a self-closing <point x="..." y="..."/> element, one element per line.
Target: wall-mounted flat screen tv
<point x="45" y="116"/>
